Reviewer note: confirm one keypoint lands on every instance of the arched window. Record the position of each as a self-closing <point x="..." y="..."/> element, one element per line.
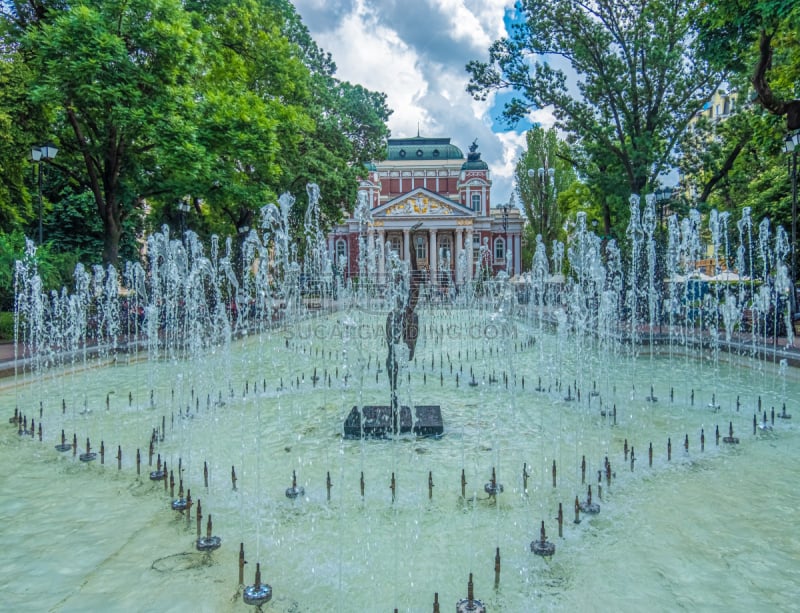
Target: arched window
<point x="476" y="203"/>
<point x="499" y="249"/>
<point x="341" y="251"/>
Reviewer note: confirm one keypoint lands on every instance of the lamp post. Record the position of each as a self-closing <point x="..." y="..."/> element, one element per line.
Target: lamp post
<point x="662" y="195"/>
<point x="38" y="155"/>
<point x="792" y="143"/>
<point x="183" y="209"/>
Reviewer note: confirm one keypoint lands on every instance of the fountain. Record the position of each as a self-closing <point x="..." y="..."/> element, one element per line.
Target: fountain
<point x="236" y="381"/>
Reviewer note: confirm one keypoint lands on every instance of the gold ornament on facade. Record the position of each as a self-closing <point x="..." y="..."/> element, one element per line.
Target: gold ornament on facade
<point x="419" y="206"/>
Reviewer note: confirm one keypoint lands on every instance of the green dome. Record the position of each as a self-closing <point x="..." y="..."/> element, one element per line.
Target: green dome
<point x="474" y="161"/>
<point x="421" y="148"/>
<point x="474" y="165"/>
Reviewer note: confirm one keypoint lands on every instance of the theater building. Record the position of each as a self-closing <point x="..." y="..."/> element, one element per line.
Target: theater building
<point x="463" y="234"/>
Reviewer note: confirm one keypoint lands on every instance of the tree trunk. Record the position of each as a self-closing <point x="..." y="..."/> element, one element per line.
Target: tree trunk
<point x="766" y="97"/>
<point x="606" y="219"/>
<point x="112" y="231"/>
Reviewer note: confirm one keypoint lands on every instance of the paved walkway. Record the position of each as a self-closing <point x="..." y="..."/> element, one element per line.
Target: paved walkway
<point x="6" y="351"/>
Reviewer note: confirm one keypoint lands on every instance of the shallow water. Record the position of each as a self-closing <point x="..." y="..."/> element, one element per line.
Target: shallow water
<point x="703" y="530"/>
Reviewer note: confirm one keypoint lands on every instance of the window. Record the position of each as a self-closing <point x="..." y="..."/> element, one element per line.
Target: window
<point x="476" y="247"/>
<point x="341" y="251"/>
<point x="444" y="251"/>
<point x="394" y="242"/>
<point x="476" y="202"/>
<point x="499" y="249"/>
<point x="422" y="254"/>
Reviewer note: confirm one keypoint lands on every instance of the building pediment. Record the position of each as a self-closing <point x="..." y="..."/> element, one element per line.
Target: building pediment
<point x="421" y="202"/>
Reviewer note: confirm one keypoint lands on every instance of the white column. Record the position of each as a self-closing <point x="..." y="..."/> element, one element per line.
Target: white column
<point x="432" y="259"/>
<point x="382" y="256"/>
<point x="370" y="249"/>
<point x="470" y="260"/>
<point x="406" y="249"/>
<point x="517" y="254"/>
<point x="459" y="238"/>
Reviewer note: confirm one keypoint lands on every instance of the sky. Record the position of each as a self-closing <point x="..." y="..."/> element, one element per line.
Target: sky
<point x="415" y="51"/>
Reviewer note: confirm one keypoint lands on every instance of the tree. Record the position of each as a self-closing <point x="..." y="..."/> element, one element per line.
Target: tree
<point x="639" y="84"/>
<point x="720" y="156"/>
<point x="118" y="78"/>
<point x="228" y="103"/>
<point x="20" y="123"/>
<point x="760" y="40"/>
<point x="542" y="173"/>
<point x="275" y="118"/>
<point x="349" y="130"/>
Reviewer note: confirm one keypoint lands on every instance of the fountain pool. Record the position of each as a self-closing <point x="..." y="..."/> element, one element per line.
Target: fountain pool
<point x="563" y="382"/>
<point x="702" y="530"/>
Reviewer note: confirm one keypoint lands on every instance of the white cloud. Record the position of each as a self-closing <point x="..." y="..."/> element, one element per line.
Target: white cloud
<point x="418" y="60"/>
<point x="490" y="14"/>
<point x="544" y="117"/>
<point x="464" y="24"/>
<point x="373" y="55"/>
<point x="513" y="143"/>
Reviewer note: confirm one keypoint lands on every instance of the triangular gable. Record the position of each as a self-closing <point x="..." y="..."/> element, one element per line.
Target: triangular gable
<point x="420" y="202"/>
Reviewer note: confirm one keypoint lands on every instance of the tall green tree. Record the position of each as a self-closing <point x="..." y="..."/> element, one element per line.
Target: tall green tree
<point x="118" y="76"/>
<point x="251" y="108"/>
<point x="721" y="156"/>
<point x="639" y="83"/>
<point x="226" y="103"/>
<point x="21" y="123"/>
<point x="274" y="116"/>
<point x="543" y="171"/>
<point x="349" y="129"/>
<point x="759" y="40"/>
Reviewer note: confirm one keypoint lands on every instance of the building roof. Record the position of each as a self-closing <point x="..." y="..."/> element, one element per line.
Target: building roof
<point x="422" y="148"/>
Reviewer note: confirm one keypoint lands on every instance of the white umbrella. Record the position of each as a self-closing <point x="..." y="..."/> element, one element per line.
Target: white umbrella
<point x="727" y="275"/>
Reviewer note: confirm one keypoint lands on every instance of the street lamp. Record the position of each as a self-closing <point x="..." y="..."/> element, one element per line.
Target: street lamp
<point x="183" y="209"/>
<point x="38" y="155"/>
<point x="791" y="143"/>
<point x="543" y="177"/>
<point x="662" y="196"/>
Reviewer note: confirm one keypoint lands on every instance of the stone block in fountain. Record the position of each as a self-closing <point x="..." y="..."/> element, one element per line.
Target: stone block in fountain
<point x="428" y="420"/>
<point x="377" y="421"/>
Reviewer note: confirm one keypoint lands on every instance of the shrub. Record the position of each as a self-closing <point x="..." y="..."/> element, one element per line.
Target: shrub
<point x="6" y="326"/>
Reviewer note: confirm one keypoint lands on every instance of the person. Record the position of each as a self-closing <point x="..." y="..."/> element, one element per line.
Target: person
<point x="402" y="325"/>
